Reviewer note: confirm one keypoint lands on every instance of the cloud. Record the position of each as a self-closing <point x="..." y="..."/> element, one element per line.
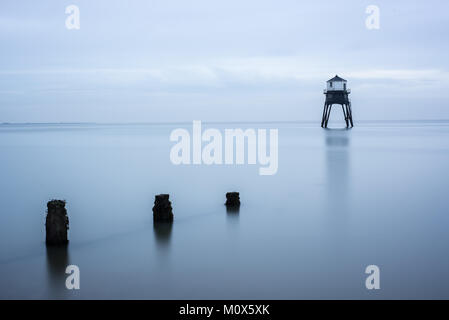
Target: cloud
<point x="226" y="72"/>
<point x="13" y="24"/>
<point x="401" y="74"/>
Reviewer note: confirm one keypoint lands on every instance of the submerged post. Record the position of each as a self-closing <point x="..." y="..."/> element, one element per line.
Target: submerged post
<point x="56" y="223"/>
<point x="337" y="93"/>
<point x="162" y="210"/>
<point x="232" y="200"/>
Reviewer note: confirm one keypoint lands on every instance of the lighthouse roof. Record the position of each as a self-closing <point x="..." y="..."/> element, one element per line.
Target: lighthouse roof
<point x="336" y="78"/>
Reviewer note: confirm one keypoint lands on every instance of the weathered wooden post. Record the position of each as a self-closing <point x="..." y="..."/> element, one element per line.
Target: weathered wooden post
<point x="232" y="200"/>
<point x="57" y="223"/>
<point x="162" y="210"/>
<point x="337" y="93"/>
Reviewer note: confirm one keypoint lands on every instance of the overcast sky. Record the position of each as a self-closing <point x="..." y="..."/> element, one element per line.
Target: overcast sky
<point x="146" y="61"/>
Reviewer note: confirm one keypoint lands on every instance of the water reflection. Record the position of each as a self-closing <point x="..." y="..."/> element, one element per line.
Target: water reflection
<point x="232" y="215"/>
<point x="57" y="261"/>
<point x="337" y="169"/>
<point x="337" y="137"/>
<point x="233" y="211"/>
<point x="162" y="233"/>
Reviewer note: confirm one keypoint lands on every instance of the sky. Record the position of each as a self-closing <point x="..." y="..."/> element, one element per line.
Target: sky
<point x="210" y="60"/>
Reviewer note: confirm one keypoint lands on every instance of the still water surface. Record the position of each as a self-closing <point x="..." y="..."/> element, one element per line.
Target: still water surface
<point x="341" y="200"/>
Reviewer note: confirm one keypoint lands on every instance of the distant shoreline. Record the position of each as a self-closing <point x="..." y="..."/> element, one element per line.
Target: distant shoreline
<point x="213" y="122"/>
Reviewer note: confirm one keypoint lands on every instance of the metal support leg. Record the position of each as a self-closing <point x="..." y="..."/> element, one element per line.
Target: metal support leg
<point x="324" y="115"/>
<point x="350" y="114"/>
<point x="328" y="115"/>
<point x="345" y="113"/>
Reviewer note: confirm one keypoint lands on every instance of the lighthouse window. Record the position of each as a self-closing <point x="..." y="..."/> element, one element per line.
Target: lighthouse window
<point x="331" y="84"/>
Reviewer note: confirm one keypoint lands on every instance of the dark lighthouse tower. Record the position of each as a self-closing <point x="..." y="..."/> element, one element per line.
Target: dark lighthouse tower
<point x="337" y="93"/>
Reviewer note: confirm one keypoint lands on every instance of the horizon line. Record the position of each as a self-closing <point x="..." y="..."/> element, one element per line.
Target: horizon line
<point x="209" y="122"/>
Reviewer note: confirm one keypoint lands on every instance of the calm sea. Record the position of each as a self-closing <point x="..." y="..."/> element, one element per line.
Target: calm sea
<point x="340" y="201"/>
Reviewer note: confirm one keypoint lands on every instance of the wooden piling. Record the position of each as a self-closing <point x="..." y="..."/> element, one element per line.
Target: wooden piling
<point x="232" y="199"/>
<point x="57" y="223"/>
<point x="162" y="210"/>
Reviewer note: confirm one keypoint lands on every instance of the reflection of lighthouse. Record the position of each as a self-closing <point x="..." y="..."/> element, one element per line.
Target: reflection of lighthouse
<point x="337" y="93"/>
<point x="338" y="169"/>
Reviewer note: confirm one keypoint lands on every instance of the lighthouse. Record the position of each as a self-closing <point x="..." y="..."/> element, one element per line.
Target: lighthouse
<point x="337" y="93"/>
